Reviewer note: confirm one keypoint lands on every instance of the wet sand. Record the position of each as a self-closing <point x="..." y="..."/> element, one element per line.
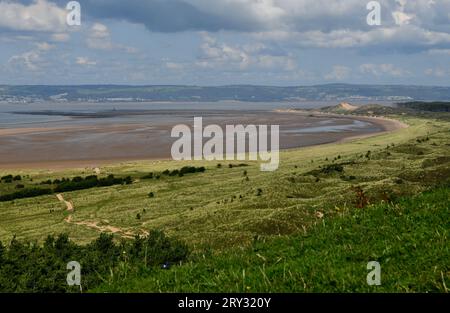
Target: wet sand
<point x="93" y="145"/>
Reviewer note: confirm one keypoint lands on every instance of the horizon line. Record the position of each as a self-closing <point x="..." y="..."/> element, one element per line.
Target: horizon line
<point x="218" y="86"/>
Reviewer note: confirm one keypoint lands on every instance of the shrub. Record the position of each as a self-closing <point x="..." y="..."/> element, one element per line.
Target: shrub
<point x="185" y="170"/>
<point x="78" y="183"/>
<point x="158" y="249"/>
<point x="25" y="193"/>
<point x="327" y="170"/>
<point x="148" y="176"/>
<point x="27" y="267"/>
<point x="7" y="179"/>
<point x="361" y="199"/>
<point x="174" y="173"/>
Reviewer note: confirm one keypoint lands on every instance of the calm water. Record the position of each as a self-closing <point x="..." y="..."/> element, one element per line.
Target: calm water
<point x="181" y="110"/>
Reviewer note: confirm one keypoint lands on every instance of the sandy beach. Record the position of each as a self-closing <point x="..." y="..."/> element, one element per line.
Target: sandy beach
<point x="80" y="146"/>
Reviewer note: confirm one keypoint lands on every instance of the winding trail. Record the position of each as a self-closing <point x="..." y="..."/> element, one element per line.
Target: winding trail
<point x="94" y="225"/>
<point x="103" y="229"/>
<point x="68" y="204"/>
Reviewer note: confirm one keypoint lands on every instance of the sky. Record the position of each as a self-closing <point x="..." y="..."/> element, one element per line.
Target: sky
<point x="225" y="42"/>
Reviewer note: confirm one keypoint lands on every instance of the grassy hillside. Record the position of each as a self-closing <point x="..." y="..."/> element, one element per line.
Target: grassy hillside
<point x="409" y="239"/>
<point x="310" y="226"/>
<point x="225" y="206"/>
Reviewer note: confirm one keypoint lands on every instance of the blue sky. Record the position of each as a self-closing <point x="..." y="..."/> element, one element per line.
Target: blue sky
<point x="221" y="42"/>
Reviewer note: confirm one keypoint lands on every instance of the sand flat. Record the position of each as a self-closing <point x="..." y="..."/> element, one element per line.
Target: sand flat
<point x="96" y="145"/>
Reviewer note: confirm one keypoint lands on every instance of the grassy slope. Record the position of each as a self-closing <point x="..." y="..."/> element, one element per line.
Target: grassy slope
<point x="320" y="254"/>
<point x="409" y="239"/>
<point x="206" y="209"/>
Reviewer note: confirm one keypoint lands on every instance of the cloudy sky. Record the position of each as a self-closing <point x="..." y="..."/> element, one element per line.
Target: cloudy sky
<point x="220" y="42"/>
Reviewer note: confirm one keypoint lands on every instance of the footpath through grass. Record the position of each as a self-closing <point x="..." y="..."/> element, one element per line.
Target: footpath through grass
<point x="408" y="238"/>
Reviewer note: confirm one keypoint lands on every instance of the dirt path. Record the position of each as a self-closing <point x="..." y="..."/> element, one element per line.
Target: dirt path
<point x="124" y="233"/>
<point x="103" y="229"/>
<point x="94" y="225"/>
<point x="68" y="204"/>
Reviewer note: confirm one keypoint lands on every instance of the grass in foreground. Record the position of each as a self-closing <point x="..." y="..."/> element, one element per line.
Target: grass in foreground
<point x="409" y="239"/>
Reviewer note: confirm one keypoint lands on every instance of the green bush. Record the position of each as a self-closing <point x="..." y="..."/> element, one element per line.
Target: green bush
<point x="27" y="267"/>
<point x="7" y="179"/>
<point x="25" y="193"/>
<point x="79" y="183"/>
<point x="148" y="176"/>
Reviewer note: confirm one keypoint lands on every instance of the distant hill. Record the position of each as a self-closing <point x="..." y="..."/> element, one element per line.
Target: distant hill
<point x="330" y="92"/>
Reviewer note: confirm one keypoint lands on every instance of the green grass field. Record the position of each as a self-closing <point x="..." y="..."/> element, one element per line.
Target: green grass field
<point x="408" y="238"/>
<point x="221" y="207"/>
<point x="276" y="231"/>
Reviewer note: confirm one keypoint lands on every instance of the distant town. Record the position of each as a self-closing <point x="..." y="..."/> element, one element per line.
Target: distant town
<point x="113" y="93"/>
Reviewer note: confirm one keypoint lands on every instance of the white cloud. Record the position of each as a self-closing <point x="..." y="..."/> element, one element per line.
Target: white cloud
<point x="413" y="25"/>
<point x="402" y="18"/>
<point x="40" y="15"/>
<point x="29" y="60"/>
<point x="406" y="37"/>
<point x="250" y="56"/>
<point x="44" y="46"/>
<point x="215" y="53"/>
<point x="174" y="66"/>
<point x="60" y="37"/>
<point x="99" y="37"/>
<point x="342" y="23"/>
<point x="84" y="61"/>
<point x="437" y="72"/>
<point x="339" y="73"/>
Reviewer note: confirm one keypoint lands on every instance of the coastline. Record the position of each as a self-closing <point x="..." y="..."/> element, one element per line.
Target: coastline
<point x="386" y="124"/>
